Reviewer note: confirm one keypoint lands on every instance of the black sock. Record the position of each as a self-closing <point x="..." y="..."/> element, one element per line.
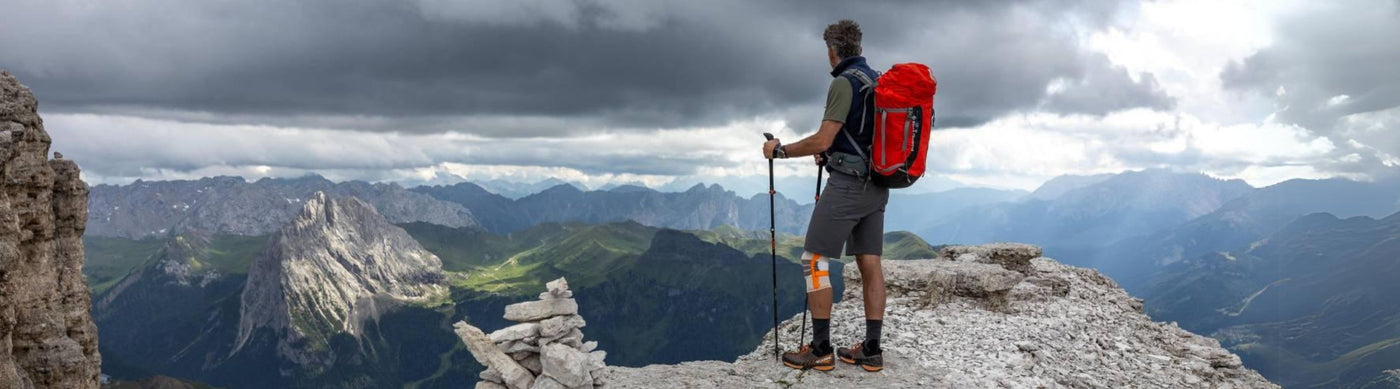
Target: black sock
<point x="872" y="336"/>
<point x="821" y="336"/>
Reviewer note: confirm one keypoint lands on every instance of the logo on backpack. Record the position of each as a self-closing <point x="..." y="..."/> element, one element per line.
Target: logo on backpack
<point x="903" y="110"/>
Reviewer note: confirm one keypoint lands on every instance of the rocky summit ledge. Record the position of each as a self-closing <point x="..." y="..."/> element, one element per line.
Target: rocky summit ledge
<point x="984" y="317"/>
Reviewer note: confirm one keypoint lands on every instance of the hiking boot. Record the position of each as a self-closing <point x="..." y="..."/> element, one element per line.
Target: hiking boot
<point x="856" y="356"/>
<point x="807" y="358"/>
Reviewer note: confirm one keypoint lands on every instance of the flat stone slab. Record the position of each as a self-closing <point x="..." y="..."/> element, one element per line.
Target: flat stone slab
<point x="1012" y="256"/>
<point x="939" y="279"/>
<point x="542" y="309"/>
<point x="516" y="332"/>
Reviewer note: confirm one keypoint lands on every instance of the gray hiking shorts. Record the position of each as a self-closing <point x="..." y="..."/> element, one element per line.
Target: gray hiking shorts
<point x="851" y="213"/>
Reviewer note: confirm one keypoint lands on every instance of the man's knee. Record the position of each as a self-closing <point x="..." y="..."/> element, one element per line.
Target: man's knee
<point x="814" y="272"/>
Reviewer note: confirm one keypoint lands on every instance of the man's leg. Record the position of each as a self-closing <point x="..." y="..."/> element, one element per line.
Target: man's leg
<point x="832" y="222"/>
<point x="872" y="279"/>
<point x="820" y="355"/>
<point x="817" y="277"/>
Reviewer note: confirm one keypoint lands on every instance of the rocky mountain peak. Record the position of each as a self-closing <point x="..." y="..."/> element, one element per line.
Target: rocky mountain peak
<point x="47" y="338"/>
<point x="337" y="264"/>
<point x="183" y="258"/>
<point x="986" y="316"/>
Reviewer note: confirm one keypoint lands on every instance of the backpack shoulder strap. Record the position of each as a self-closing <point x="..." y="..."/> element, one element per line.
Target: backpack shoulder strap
<point x="867" y="87"/>
<point x="865" y="81"/>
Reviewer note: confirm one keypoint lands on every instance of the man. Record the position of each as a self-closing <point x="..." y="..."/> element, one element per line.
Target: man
<point x="851" y="210"/>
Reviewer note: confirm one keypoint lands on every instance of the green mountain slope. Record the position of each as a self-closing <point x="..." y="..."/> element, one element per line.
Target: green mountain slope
<point x="1311" y="305"/>
<point x="650" y="295"/>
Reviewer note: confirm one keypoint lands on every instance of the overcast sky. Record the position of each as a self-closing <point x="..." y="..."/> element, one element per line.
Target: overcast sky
<point x="677" y="92"/>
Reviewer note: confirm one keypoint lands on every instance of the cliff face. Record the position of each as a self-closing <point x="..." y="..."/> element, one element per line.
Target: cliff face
<point x="986" y="316"/>
<point x="47" y="338"/>
<point x="335" y="266"/>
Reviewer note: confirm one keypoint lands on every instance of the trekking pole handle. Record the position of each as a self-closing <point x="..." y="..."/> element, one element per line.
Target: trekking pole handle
<point x="769" y="136"/>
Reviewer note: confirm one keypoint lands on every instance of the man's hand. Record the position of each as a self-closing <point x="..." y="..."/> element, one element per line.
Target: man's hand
<point x="821" y="159"/>
<point x="768" y="148"/>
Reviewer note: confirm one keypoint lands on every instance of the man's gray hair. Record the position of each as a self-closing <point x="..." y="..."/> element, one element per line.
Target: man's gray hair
<point x="843" y="37"/>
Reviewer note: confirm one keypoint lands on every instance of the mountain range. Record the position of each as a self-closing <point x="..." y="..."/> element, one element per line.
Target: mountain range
<point x="341" y="298"/>
<point x="1312" y="303"/>
<point x="230" y="205"/>
<point x="1071" y="215"/>
<point x="1162" y="235"/>
<point x="699" y="208"/>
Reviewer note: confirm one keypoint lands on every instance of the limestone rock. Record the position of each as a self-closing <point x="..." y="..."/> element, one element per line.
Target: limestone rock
<point x="542" y="309"/>
<point x="486" y="352"/>
<point x="489" y="385"/>
<point x="491" y="374"/>
<point x="1012" y="256"/>
<point x="559" y="288"/>
<point x="1062" y="327"/>
<point x="566" y="365"/>
<point x="533" y="364"/>
<point x="516" y="346"/>
<point x="557" y="326"/>
<point x="548" y="343"/>
<point x="935" y="282"/>
<point x="548" y="383"/>
<point x="516" y="332"/>
<point x="334" y="267"/>
<point x="47" y="337"/>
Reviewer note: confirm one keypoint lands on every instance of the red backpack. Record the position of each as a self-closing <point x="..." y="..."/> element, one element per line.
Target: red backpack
<point x="903" y="118"/>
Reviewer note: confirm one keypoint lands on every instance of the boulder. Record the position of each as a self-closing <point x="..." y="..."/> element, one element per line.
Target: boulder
<point x="566" y="365"/>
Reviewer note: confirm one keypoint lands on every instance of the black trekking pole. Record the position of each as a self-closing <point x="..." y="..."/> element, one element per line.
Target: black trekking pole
<point x="805" y="298"/>
<point x="773" y="244"/>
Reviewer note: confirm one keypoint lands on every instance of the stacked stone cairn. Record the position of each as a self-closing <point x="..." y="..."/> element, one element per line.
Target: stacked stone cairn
<point x="545" y="351"/>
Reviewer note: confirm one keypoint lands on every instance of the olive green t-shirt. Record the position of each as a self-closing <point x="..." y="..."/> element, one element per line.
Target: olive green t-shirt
<point x="838" y="100"/>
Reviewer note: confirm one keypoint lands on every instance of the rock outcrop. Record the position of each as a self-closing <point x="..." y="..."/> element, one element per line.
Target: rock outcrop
<point x="986" y="316"/>
<point x="336" y="265"/>
<point x="545" y="351"/>
<point x="47" y="338"/>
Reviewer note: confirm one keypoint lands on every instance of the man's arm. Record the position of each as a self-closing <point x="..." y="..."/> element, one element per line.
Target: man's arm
<point x="811" y="145"/>
<point x="838" y="104"/>
<point x="816" y="143"/>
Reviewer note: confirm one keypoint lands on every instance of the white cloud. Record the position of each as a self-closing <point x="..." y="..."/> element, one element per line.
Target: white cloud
<point x="1186" y="43"/>
<point x="1024" y="150"/>
<point x="1183" y="44"/>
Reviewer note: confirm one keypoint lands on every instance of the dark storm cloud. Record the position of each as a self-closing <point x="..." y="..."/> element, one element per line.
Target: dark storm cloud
<point x="538" y="68"/>
<point x="1105" y="89"/>
<point x="1333" y="71"/>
